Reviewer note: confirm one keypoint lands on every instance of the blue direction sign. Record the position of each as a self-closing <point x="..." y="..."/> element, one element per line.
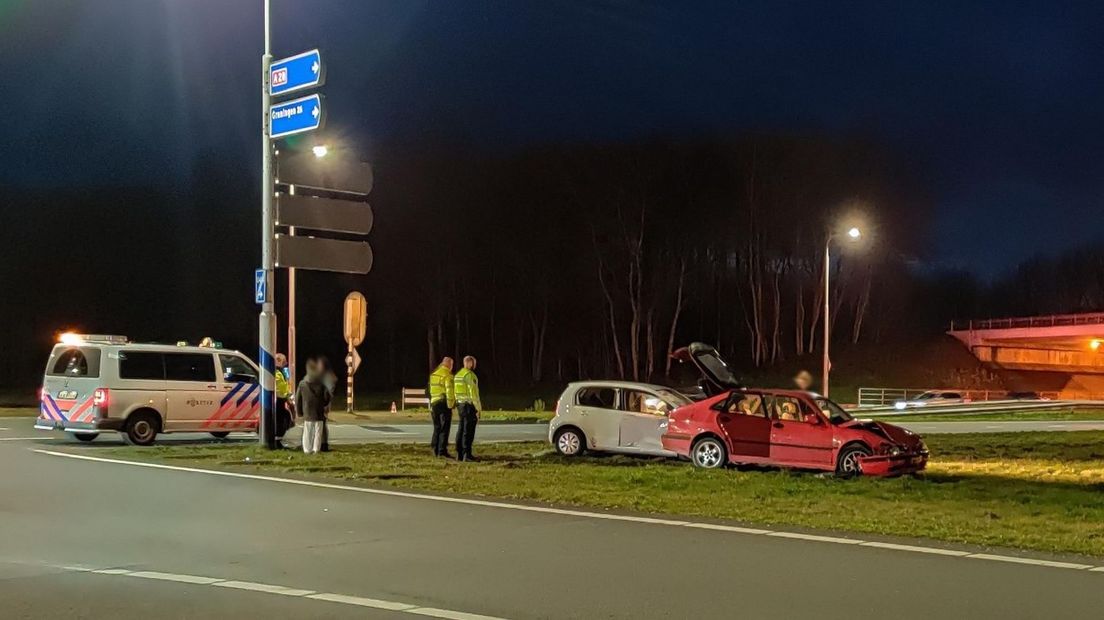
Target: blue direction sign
<point x="295" y="116"/>
<point x="296" y="73"/>
<point x="260" y="286"/>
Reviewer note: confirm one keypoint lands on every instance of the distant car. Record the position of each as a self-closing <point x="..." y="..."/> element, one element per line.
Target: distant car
<point x="932" y="397"/>
<point x="783" y="428"/>
<point x="613" y="416"/>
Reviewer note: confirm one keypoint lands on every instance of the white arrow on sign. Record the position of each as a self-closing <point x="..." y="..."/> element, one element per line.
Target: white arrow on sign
<point x="315" y="67"/>
<point x="353" y="359"/>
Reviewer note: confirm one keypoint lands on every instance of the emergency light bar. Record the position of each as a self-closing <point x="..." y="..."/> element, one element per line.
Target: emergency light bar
<point x="71" y="338"/>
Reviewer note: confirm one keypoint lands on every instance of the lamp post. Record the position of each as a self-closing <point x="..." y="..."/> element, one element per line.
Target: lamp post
<point x="854" y="234"/>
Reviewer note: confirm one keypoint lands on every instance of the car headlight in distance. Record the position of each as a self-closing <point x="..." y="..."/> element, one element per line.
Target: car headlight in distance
<point x="899" y="405"/>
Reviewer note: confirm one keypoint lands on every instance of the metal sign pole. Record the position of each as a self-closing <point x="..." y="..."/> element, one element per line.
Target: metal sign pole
<point x="267" y="331"/>
<point x="349" y="384"/>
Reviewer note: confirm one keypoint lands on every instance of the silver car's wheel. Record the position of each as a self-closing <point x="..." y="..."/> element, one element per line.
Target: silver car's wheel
<point x="848" y="462"/>
<point x="709" y="453"/>
<point x="569" y="442"/>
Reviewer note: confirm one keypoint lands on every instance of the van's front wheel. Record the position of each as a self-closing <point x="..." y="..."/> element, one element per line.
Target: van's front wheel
<point x="142" y="428"/>
<point x="86" y="437"/>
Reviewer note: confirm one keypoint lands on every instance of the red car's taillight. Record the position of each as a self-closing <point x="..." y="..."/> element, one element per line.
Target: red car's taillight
<point x="100" y="397"/>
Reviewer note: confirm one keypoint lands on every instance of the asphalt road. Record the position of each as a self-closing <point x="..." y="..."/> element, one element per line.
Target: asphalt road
<point x="183" y="544"/>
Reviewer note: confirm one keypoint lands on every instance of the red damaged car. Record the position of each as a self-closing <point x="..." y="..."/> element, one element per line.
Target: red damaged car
<point x="782" y="428"/>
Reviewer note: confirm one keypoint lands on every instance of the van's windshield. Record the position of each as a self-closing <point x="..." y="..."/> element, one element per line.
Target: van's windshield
<point x="74" y="362"/>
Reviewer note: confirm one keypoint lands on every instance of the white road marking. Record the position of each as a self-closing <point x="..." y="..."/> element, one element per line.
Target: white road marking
<point x="261" y="587"/>
<point x="445" y="613"/>
<point x="148" y="574"/>
<point x="727" y="528"/>
<point x="915" y="548"/>
<point x="25" y="438"/>
<point x="814" y="537"/>
<point x="268" y="588"/>
<point x="361" y="601"/>
<point x="1031" y="561"/>
<point x="578" y="513"/>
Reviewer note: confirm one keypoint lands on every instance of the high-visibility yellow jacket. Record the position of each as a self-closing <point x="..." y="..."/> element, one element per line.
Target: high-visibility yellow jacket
<point x="441" y="386"/>
<point x="467" y="388"/>
<point x="283" y="390"/>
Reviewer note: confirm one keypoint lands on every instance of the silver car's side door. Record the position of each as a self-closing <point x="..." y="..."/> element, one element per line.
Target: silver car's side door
<point x="596" y="413"/>
<point x="643" y="422"/>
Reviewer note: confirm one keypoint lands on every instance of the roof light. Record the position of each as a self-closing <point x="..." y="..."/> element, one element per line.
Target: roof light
<point x="71" y="338"/>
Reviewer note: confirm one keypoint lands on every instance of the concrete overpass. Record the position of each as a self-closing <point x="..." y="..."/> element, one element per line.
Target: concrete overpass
<point x="1058" y="353"/>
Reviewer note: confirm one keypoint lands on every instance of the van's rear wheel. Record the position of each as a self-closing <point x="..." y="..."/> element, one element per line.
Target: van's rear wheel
<point x="220" y="434"/>
<point x="85" y="436"/>
<point x="142" y="428"/>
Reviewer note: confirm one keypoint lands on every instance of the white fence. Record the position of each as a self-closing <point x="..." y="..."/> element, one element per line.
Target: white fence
<point x="414" y="396"/>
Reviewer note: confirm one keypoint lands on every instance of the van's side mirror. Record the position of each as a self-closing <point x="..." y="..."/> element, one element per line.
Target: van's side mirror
<point x="239" y="377"/>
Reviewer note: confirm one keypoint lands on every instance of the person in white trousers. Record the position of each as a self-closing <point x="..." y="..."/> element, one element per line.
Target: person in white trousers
<point x="311" y="400"/>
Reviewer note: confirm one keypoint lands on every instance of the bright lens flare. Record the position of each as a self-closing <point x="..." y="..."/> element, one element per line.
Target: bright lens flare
<point x="1095" y="344"/>
<point x="854" y="233"/>
<point x="320" y="151"/>
<point x="69" y="338"/>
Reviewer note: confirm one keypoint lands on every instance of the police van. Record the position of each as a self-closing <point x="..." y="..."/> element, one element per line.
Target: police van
<point x="97" y="383"/>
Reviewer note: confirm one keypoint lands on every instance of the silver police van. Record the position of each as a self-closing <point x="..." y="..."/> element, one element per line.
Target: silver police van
<point x="97" y="383"/>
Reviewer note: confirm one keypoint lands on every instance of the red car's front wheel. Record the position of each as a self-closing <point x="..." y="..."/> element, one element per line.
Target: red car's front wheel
<point x="848" y="463"/>
<point x="709" y="453"/>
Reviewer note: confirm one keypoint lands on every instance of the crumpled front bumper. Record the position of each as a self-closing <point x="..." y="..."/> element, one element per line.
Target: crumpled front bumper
<point x="886" y="465"/>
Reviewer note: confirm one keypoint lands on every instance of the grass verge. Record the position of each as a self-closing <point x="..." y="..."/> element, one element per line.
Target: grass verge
<point x="1040" y="491"/>
<point x="18" y="412"/>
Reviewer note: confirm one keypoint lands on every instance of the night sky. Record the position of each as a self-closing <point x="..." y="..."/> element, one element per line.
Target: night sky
<point x="995" y="105"/>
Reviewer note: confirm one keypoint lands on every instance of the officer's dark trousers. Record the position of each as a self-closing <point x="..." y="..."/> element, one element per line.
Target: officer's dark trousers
<point x="465" y="432"/>
<point x="442" y="422"/>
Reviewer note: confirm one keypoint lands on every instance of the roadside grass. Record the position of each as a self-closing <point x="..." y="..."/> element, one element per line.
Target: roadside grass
<point x="1090" y="414"/>
<point x="1040" y="491"/>
<point x="18" y="412"/>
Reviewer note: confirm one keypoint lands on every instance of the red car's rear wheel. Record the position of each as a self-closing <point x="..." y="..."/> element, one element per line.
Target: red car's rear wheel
<point x="709" y="453"/>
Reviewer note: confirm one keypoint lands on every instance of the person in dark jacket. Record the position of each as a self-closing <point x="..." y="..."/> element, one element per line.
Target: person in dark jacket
<point x="311" y="400"/>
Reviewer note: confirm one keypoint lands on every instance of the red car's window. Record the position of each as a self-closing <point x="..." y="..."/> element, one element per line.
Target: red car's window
<point x="747" y="404"/>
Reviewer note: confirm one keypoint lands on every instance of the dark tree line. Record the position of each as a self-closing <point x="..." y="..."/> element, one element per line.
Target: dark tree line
<point x="551" y="264"/>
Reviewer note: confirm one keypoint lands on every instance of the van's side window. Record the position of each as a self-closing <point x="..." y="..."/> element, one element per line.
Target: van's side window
<point x="141" y="365"/>
<point x="189" y="367"/>
<point x="235" y="368"/>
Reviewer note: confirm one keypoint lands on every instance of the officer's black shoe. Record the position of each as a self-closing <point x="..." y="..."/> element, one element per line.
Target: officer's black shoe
<point x="468" y="457"/>
<point x="445" y="455"/>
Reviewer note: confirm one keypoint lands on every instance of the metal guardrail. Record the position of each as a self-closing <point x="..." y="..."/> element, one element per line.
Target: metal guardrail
<point x="980" y="408"/>
<point x="1053" y="320"/>
<point x="878" y="396"/>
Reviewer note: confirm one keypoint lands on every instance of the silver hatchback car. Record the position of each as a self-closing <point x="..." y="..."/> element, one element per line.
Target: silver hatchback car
<point x="613" y="416"/>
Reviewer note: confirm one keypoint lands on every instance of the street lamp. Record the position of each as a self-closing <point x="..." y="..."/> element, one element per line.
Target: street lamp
<point x="854" y="234"/>
<point x="320" y="151"/>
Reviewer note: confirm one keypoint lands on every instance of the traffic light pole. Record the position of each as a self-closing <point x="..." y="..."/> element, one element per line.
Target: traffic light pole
<point x="267" y="331"/>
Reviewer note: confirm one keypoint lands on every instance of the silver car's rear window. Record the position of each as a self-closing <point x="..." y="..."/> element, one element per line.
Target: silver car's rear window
<point x="75" y="362"/>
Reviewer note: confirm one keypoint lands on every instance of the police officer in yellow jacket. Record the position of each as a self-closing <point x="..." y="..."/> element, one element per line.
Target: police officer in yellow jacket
<point x="468" y="406"/>
<point x="442" y="398"/>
